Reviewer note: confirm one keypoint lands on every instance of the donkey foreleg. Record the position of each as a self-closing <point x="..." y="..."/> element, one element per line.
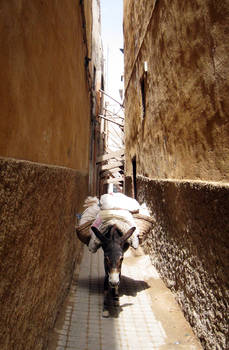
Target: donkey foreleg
<point x="115" y="295"/>
<point x="105" y="300"/>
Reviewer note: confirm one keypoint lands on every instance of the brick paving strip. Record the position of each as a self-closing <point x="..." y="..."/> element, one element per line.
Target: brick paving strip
<point x="148" y="316"/>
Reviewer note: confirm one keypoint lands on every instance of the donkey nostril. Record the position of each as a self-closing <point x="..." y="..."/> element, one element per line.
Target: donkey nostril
<point x="114" y="278"/>
<point x="114" y="284"/>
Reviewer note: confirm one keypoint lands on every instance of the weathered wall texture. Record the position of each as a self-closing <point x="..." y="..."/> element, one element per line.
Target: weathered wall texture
<point x="44" y="94"/>
<point x="185" y="131"/>
<point x="135" y="29"/>
<point x="189" y="246"/>
<point x="179" y="138"/>
<point x="38" y="248"/>
<point x="46" y="103"/>
<point x="87" y="13"/>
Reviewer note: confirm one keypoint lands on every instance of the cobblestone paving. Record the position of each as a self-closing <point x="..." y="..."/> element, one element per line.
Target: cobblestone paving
<point x="131" y="326"/>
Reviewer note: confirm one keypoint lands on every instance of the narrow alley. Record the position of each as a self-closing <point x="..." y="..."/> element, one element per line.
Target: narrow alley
<point x="123" y="97"/>
<point x="148" y="317"/>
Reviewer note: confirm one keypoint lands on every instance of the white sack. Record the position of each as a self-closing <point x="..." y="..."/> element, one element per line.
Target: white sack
<point x="92" y="204"/>
<point x="118" y="201"/>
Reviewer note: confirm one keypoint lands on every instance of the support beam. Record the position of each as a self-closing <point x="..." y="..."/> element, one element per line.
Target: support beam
<point x="110" y="155"/>
<point x="103" y="92"/>
<point x="110" y="172"/>
<point x="112" y="121"/>
<point x="112" y="113"/>
<point x="114" y="180"/>
<point x="111" y="165"/>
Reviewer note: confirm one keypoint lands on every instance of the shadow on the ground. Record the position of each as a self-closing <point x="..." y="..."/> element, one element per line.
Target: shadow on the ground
<point x="94" y="284"/>
<point x="129" y="287"/>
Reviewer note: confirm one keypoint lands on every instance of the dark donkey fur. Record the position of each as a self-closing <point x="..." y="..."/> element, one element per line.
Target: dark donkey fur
<point x="114" y="244"/>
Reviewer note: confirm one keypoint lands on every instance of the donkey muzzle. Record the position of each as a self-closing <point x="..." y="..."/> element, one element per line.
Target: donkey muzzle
<point x="114" y="278"/>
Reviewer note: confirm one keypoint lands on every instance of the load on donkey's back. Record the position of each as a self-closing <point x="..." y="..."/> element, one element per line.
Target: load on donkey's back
<point x="113" y="209"/>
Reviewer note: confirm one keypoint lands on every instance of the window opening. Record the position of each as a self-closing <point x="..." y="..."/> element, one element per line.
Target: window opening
<point x="143" y="94"/>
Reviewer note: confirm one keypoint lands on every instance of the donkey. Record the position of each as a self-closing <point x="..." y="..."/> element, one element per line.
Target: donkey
<point x="114" y="244"/>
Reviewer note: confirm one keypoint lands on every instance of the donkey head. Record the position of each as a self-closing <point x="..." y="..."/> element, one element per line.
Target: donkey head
<point x="113" y="245"/>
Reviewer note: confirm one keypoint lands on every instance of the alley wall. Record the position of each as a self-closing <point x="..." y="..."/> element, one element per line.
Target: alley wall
<point x="38" y="248"/>
<point x="44" y="94"/>
<point x="183" y="132"/>
<point x="189" y="247"/>
<point x="46" y="86"/>
<point x="177" y="131"/>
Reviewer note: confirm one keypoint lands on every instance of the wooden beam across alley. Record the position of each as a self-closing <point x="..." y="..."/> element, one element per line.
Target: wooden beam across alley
<point x="111" y="165"/>
<point x="110" y="172"/>
<point x="114" y="180"/>
<point x="110" y="155"/>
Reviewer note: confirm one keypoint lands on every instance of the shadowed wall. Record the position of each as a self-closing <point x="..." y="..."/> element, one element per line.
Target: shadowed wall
<point x="189" y="247"/>
<point x="44" y="118"/>
<point x="38" y="248"/>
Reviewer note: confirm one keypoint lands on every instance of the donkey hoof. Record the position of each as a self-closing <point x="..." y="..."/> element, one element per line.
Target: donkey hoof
<point x="105" y="313"/>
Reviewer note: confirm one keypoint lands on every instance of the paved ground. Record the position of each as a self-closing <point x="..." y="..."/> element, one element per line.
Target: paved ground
<point x="148" y="316"/>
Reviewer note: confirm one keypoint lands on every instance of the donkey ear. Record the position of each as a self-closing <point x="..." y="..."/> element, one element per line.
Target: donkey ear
<point x="128" y="234"/>
<point x="98" y="234"/>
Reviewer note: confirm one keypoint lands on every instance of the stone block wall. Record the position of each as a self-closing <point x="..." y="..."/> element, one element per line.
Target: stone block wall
<point x="189" y="247"/>
<point x="38" y="248"/>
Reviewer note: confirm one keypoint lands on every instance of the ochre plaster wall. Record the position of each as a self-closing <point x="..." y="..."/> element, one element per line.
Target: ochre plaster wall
<point x="181" y="148"/>
<point x="45" y="114"/>
<point x="185" y="131"/>
<point x="135" y="27"/>
<point x="44" y="95"/>
<point x="87" y="6"/>
<point x="38" y="248"/>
